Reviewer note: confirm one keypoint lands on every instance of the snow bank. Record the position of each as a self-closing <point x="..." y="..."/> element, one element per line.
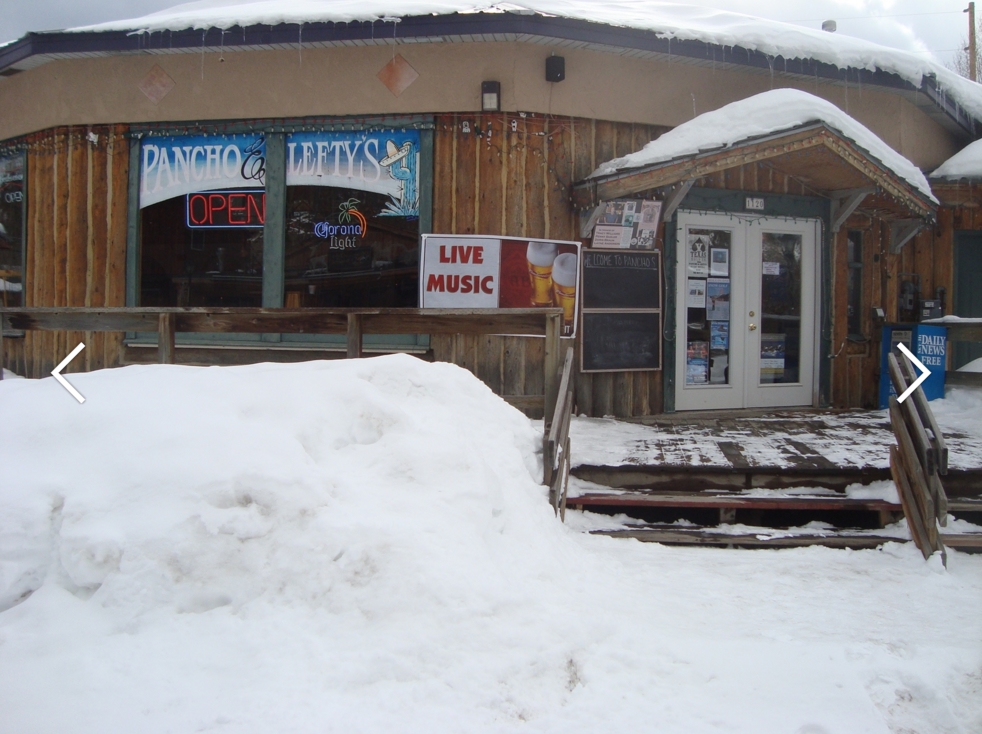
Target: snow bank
<point x="667" y="20"/>
<point x="966" y="163"/>
<point x="773" y="111"/>
<point x="362" y="546"/>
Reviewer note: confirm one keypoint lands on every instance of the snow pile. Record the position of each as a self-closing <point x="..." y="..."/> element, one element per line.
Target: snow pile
<point x="974" y="366"/>
<point x="362" y="546"/>
<point x="666" y="20"/>
<point x="966" y="163"/>
<point x="769" y="112"/>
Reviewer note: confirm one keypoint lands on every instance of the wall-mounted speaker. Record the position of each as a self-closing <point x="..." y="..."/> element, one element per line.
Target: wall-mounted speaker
<point x="555" y="68"/>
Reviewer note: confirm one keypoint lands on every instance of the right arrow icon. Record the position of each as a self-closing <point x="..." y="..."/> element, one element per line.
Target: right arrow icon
<point x="917" y="363"/>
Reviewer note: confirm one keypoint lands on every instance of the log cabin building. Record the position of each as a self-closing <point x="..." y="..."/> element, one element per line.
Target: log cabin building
<point x="219" y="157"/>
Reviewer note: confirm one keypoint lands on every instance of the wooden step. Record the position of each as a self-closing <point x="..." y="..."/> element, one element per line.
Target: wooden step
<point x="768" y="538"/>
<point x="729" y="500"/>
<point x="694" y="478"/>
<point x="697" y="478"/>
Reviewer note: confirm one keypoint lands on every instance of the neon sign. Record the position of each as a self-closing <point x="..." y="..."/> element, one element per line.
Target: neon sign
<point x="342" y="235"/>
<point x="226" y="209"/>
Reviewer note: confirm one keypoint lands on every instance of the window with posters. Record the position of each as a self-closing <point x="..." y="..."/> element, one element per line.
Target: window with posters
<point x="476" y="271"/>
<point x="12" y="230"/>
<point x="202" y="212"/>
<point x="350" y="202"/>
<point x="352" y="214"/>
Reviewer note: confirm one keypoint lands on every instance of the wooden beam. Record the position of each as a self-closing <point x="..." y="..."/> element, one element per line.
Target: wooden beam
<point x="914" y="523"/>
<point x="961" y="331"/>
<point x="354" y="336"/>
<point x="165" y="338"/>
<point x="902" y="231"/>
<point x="589" y="221"/>
<point x="845" y="202"/>
<point x="554" y="324"/>
<point x="517" y="321"/>
<point x="675" y="198"/>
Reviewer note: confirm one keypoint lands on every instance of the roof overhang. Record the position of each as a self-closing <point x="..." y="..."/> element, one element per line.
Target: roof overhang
<point x="36" y="49"/>
<point x="816" y="156"/>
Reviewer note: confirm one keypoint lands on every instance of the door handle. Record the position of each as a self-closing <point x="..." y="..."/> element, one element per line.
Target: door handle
<point x="753" y="327"/>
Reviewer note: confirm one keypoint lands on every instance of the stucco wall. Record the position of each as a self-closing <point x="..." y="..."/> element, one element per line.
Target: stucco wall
<point x="342" y="81"/>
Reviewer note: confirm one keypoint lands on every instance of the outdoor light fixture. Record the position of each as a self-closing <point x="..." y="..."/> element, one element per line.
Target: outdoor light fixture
<point x="491" y="96"/>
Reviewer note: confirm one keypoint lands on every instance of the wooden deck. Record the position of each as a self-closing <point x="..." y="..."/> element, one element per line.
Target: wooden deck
<point x="758" y="479"/>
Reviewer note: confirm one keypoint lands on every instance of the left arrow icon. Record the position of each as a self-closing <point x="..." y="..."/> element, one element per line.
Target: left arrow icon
<point x="56" y="373"/>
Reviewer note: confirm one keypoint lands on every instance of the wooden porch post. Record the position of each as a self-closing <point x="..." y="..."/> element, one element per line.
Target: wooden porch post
<point x="165" y="338"/>
<point x="354" y="336"/>
<point x="554" y="325"/>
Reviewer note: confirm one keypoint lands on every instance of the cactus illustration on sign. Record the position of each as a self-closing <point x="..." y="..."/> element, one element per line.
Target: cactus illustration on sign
<point x="401" y="163"/>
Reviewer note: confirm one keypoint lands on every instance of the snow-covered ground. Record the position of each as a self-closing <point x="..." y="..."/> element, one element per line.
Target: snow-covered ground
<point x="362" y="546"/>
<point x="859" y="438"/>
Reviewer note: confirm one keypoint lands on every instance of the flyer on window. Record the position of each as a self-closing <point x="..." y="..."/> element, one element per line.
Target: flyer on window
<point x="719" y="261"/>
<point x="697" y="256"/>
<point x="718" y="299"/>
<point x="696" y="297"/>
<point x="697" y="363"/>
<point x="719" y="335"/>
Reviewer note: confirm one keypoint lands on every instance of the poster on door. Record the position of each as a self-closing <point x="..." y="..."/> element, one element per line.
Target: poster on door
<point x="771" y="357"/>
<point x="477" y="271"/>
<point x="697" y="255"/>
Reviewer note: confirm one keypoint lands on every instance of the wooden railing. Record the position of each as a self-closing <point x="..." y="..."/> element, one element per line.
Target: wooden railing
<point x="556" y="458"/>
<point x="917" y="460"/>
<point x="352" y="322"/>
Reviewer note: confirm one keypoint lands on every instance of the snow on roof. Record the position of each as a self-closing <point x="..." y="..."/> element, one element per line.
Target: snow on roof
<point x="966" y="163"/>
<point x="666" y="20"/>
<point x="762" y="114"/>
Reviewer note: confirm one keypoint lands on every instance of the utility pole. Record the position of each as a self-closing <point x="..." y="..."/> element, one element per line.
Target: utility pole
<point x="972" y="55"/>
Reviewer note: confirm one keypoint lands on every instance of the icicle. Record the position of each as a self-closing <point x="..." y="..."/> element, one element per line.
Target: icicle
<point x="770" y="65"/>
<point x="203" y="34"/>
<point x="300" y="44"/>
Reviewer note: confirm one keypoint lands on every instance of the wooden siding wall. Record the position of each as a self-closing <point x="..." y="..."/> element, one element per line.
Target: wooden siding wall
<point x="856" y="365"/>
<point x="512" y="175"/>
<point x="76" y="241"/>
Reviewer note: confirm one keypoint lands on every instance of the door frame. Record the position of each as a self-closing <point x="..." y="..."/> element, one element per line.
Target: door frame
<point x="734" y="394"/>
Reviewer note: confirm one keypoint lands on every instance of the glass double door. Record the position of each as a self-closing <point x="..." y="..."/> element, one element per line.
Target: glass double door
<point x="745" y="312"/>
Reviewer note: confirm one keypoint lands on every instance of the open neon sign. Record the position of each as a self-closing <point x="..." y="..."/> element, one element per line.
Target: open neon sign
<point x="226" y="209"/>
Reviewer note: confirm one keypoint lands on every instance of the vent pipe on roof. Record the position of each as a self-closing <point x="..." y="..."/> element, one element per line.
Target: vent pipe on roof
<point x="829" y="26"/>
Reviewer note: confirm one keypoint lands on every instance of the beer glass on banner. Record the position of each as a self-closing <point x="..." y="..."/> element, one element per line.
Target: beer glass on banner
<point x="564" y="288"/>
<point x="540" y="256"/>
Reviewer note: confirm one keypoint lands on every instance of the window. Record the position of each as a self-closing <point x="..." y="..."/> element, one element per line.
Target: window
<point x="12" y="230"/>
<point x="352" y="219"/>
<point x="854" y="283"/>
<point x="202" y="209"/>
<point x="350" y="238"/>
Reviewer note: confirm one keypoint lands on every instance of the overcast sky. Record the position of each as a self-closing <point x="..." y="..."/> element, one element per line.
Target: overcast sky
<point x="937" y="26"/>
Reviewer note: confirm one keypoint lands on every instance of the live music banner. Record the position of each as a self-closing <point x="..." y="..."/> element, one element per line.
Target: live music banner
<point x="478" y="271"/>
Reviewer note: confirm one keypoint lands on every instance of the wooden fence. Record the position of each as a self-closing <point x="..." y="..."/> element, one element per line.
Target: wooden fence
<point x="353" y="322"/>
<point x="917" y="460"/>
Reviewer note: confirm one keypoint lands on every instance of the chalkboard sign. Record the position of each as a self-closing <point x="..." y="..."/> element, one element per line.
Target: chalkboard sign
<point x="621" y="280"/>
<point x="621" y="341"/>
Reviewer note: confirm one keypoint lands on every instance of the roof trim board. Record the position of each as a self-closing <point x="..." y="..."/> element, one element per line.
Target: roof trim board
<point x="35" y="49"/>
<point x="627" y="182"/>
